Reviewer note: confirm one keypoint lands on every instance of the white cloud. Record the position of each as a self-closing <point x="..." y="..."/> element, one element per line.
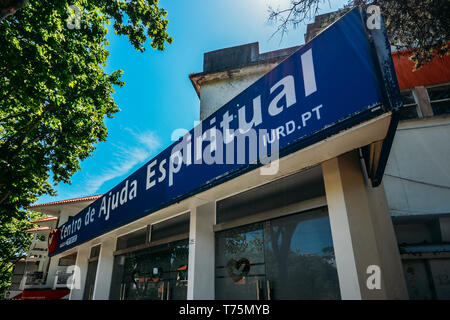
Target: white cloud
<point x="123" y="160"/>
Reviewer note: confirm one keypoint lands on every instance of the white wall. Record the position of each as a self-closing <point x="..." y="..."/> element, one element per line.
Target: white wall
<point x="80" y="273"/>
<point x="215" y="94"/>
<point x="105" y="268"/>
<point x="417" y="176"/>
<point x="63" y="217"/>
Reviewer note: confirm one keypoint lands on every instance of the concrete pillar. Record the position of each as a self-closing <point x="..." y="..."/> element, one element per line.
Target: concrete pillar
<point x="104" y="270"/>
<point x="23" y="281"/>
<point x="52" y="269"/>
<point x="80" y="273"/>
<point x="424" y="101"/>
<point x="201" y="253"/>
<point x="363" y="234"/>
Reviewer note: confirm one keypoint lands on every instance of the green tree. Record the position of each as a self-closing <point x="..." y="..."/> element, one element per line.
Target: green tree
<point x="421" y="25"/>
<point x="54" y="91"/>
<point x="14" y="244"/>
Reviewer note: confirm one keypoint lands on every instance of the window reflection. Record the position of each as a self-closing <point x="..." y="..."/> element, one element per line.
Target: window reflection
<point x="240" y="263"/>
<point x="90" y="280"/>
<point x="409" y="108"/>
<point x="156" y="273"/>
<point x="300" y="258"/>
<point x="286" y="258"/>
<point x="440" y="99"/>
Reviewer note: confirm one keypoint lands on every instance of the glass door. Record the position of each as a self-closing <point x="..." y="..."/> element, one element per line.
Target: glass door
<point x="240" y="263"/>
<point x="156" y="273"/>
<point x="88" y="293"/>
<point x="291" y="257"/>
<point x="176" y="285"/>
<point x="145" y="275"/>
<point x="300" y="261"/>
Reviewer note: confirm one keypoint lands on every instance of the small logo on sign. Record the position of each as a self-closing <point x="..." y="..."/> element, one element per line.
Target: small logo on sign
<point x="53" y="240"/>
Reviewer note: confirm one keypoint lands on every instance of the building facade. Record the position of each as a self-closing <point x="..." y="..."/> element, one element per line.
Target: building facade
<point x="317" y="229"/>
<point x="417" y="177"/>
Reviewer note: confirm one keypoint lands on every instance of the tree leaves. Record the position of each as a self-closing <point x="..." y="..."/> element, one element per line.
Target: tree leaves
<point x="419" y="25"/>
<point x="54" y="92"/>
<point x="54" y="97"/>
<point x="14" y="244"/>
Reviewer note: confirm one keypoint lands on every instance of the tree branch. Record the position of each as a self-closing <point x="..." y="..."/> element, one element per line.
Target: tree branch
<point x="13" y="116"/>
<point x="31" y="126"/>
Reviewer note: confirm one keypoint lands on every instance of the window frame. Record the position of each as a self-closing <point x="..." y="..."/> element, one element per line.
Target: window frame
<point x="445" y="84"/>
<point x="416" y="103"/>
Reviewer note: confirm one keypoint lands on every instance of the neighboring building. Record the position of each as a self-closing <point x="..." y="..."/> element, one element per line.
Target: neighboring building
<point x="35" y="277"/>
<point x="308" y="232"/>
<point x="17" y="277"/>
<point x="417" y="177"/>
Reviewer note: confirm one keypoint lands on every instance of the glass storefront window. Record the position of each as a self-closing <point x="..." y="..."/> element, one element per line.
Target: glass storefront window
<point x="132" y="239"/>
<point x="240" y="263"/>
<point x="440" y="99"/>
<point x="409" y="108"/>
<point x="95" y="251"/>
<point x="285" y="258"/>
<point x="91" y="273"/>
<point x="427" y="279"/>
<point x="300" y="258"/>
<point x="67" y="260"/>
<point x="169" y="228"/>
<point x="155" y="273"/>
<point x="90" y="280"/>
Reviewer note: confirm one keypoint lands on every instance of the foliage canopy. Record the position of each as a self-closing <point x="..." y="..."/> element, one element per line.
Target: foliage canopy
<point x="54" y="91"/>
<point x="419" y="25"/>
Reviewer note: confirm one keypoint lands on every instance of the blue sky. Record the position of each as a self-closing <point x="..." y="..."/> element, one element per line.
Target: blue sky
<point x="158" y="96"/>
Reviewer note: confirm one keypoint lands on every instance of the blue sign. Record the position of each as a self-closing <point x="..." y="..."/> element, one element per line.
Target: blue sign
<point x="330" y="84"/>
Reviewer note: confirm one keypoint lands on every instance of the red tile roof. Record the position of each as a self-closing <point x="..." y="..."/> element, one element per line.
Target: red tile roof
<point x="38" y="229"/>
<point x="25" y="258"/>
<point x="65" y="201"/>
<point x="45" y="219"/>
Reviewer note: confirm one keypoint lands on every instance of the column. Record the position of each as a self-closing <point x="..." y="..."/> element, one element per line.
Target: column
<point x="51" y="274"/>
<point x="104" y="270"/>
<point x="363" y="234"/>
<point x="80" y="272"/>
<point x="423" y="101"/>
<point x="201" y="253"/>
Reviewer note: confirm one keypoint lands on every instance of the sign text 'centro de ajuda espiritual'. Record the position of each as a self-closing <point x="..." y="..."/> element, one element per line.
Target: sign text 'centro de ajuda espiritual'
<point x="341" y="78"/>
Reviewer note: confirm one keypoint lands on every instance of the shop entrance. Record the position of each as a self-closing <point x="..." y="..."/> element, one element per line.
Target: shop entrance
<point x="155" y="273"/>
<point x="291" y="257"/>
